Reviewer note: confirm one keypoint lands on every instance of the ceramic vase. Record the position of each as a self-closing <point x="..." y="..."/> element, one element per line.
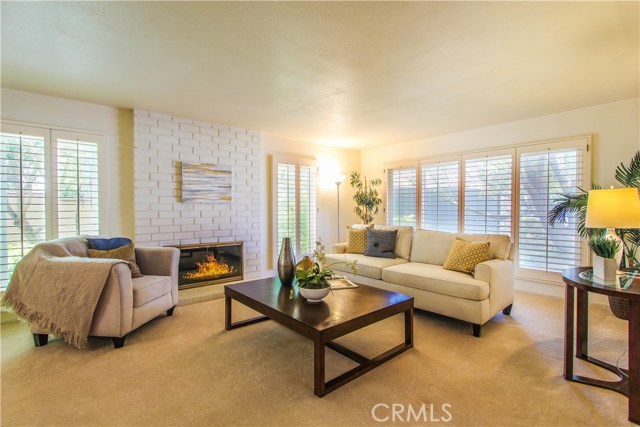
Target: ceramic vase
<point x="286" y="263"/>
<point x="605" y="268"/>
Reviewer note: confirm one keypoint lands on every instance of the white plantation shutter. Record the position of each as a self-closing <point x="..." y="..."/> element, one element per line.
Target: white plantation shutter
<point x="22" y="196"/>
<point x="48" y="189"/>
<point x="307" y="205"/>
<point x="295" y="204"/>
<point x="440" y="195"/>
<point x="402" y="195"/>
<point x="546" y="173"/>
<point x="488" y="194"/>
<point x="77" y="182"/>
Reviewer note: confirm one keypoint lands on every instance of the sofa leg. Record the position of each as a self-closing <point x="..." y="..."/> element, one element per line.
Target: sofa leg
<point x="40" y="339"/>
<point x="477" y="330"/>
<point x="118" y="342"/>
<point x="507" y="310"/>
<point x="170" y="311"/>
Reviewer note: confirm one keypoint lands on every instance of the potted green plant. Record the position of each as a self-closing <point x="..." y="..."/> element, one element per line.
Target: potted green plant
<point x="604" y="263"/>
<point x="313" y="282"/>
<point x="366" y="197"/>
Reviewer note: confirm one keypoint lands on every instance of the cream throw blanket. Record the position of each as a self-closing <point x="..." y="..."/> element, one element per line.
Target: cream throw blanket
<point x="57" y="287"/>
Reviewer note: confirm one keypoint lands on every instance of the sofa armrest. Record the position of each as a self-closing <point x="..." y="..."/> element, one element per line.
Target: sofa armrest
<point x="499" y="274"/>
<point x="158" y="261"/>
<point x="338" y="248"/>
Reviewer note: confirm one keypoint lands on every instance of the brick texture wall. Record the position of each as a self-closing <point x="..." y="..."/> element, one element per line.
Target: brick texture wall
<point x="161" y="143"/>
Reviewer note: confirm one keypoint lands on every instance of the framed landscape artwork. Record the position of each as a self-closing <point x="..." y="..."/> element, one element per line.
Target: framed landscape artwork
<point x="205" y="183"/>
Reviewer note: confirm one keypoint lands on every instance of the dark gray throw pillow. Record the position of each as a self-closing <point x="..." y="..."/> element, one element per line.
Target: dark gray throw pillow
<point x="381" y="243"/>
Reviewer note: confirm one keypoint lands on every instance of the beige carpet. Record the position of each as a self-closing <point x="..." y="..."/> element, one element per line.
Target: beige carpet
<point x="186" y="370"/>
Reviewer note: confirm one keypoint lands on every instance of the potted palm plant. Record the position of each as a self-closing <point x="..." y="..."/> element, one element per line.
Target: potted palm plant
<point x="627" y="176"/>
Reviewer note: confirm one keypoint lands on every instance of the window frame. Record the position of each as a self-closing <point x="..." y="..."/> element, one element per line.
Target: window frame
<point x="401" y="165"/>
<point x="439" y="160"/>
<point x="584" y="142"/>
<point x="276" y="239"/>
<point x="50" y="136"/>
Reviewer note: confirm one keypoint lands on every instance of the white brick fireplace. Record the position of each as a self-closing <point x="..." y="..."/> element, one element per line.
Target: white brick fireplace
<point x="161" y="143"/>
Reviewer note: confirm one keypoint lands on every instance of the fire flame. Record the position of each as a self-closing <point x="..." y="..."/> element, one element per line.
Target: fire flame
<point x="210" y="268"/>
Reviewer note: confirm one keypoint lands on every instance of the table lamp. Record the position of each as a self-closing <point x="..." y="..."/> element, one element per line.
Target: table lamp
<point x="613" y="208"/>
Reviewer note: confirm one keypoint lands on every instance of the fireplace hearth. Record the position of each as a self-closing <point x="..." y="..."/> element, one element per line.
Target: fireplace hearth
<point x="210" y="263"/>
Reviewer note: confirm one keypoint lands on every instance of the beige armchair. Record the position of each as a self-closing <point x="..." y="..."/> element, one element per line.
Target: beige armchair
<point x="125" y="303"/>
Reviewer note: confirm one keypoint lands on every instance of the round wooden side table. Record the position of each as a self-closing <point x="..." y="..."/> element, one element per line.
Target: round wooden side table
<point x="577" y="310"/>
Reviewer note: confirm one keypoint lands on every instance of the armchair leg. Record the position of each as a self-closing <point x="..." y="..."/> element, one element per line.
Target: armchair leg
<point x="477" y="330"/>
<point x="40" y="339"/>
<point x="170" y="311"/>
<point x="507" y="310"/>
<point x="118" y="342"/>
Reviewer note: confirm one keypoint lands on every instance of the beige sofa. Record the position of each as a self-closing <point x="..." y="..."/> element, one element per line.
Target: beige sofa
<point x="418" y="271"/>
<point x="125" y="303"/>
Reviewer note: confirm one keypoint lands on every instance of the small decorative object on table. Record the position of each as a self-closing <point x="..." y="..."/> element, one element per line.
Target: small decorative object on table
<point x="286" y="263"/>
<point x="604" y="262"/>
<point x="313" y="282"/>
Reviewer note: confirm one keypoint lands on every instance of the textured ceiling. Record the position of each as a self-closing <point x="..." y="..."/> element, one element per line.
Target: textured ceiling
<point x="353" y="74"/>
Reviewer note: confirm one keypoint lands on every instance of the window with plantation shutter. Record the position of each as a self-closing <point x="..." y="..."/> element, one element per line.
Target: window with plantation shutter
<point x="48" y="189"/>
<point x="77" y="182"/>
<point x="488" y="194"/>
<point x="402" y="195"/>
<point x="546" y="173"/>
<point x="22" y="196"/>
<point x="295" y="204"/>
<point x="439" y="184"/>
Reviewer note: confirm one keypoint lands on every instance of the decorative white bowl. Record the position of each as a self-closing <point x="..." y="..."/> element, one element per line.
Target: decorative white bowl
<point x="314" y="296"/>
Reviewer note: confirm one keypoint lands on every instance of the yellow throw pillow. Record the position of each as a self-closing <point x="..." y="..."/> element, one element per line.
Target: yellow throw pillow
<point x="356" y="240"/>
<point x="464" y="256"/>
<point x="125" y="253"/>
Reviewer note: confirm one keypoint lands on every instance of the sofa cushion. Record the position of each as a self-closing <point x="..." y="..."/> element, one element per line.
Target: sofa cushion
<point x="381" y="243"/>
<point x="148" y="288"/>
<point x="435" y="278"/>
<point x="126" y="253"/>
<point x="431" y="247"/>
<point x="356" y="241"/>
<point x="403" y="239"/>
<point x="367" y="266"/>
<point x="500" y="244"/>
<point x="106" y="244"/>
<point x="464" y="255"/>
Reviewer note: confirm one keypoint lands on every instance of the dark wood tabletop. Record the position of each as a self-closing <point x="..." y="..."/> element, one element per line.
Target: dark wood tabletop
<point x="340" y="307"/>
<point x="572" y="277"/>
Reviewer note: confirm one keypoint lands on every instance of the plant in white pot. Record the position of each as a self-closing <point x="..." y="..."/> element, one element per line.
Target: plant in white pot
<point x="604" y="262"/>
<point x="313" y="282"/>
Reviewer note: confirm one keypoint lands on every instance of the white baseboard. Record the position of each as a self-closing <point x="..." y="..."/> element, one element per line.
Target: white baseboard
<point x="551" y="289"/>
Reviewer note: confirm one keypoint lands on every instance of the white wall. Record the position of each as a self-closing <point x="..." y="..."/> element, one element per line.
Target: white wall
<point x="615" y="128"/>
<point x="331" y="161"/>
<point x="116" y="124"/>
<point x="162" y="142"/>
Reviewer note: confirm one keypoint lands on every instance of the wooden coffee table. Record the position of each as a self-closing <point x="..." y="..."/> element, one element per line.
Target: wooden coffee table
<point x="346" y="311"/>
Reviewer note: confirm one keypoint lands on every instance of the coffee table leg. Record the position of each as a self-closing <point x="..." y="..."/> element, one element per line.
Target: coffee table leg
<point x="227" y="313"/>
<point x="408" y="327"/>
<point x="318" y="368"/>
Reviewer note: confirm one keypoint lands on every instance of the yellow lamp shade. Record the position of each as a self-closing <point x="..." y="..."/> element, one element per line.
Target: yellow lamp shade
<point x="613" y="208"/>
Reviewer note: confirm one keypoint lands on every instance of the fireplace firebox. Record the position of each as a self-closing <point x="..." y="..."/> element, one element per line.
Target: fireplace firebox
<point x="210" y="263"/>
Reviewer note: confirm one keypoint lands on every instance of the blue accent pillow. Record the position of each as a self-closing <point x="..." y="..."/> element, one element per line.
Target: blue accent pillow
<point x="381" y="243"/>
<point x="107" y="244"/>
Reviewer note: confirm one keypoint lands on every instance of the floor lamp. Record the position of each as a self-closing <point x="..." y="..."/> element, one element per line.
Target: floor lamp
<point x="338" y="181"/>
